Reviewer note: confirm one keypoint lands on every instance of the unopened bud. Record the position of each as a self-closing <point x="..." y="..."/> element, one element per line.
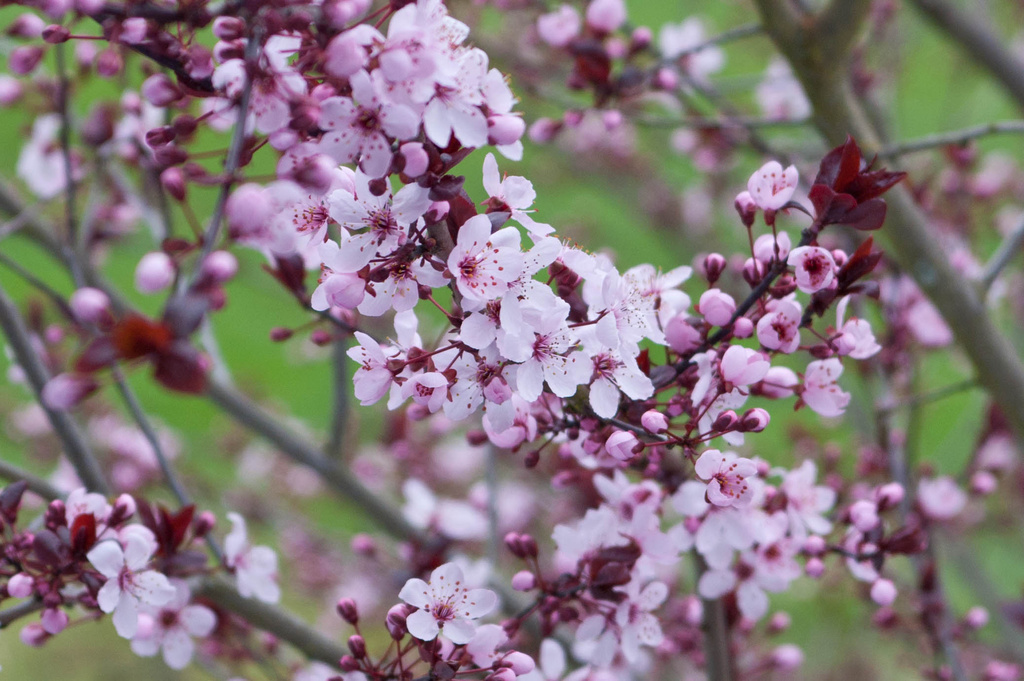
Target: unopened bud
<point x="357" y="645"/>
<point x="280" y="333"/>
<point x="20" y="586"/>
<point x="743" y="328"/>
<point x="154" y="272"/>
<point x="524" y="580"/>
<point x="505" y="129"/>
<point x="755" y="420"/>
<point x="90" y="305"/>
<point x="654" y="421"/>
<point x="55" y="34"/>
<point x="347" y="610"/>
<point x="714" y="265"/>
<point x="204" y="523"/>
<point x="395" y="621"/>
<point x="883" y="592"/>
<point x="220" y="266"/>
<point x="173" y="181"/>
<point x="726" y="421"/>
<point x="416" y="159"/>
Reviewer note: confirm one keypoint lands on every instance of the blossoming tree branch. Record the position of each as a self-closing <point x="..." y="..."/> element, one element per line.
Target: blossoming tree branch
<point x="579" y="473"/>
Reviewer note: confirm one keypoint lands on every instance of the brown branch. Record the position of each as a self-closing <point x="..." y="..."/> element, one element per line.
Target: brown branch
<point x="75" y="445"/>
<point x="955" y="137"/>
<point x="35" y="484"/>
<point x="979" y="42"/>
<point x="270" y="618"/>
<point x="911" y="238"/>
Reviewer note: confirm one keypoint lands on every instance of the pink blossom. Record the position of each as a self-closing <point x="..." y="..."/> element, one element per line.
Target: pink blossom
<point x="677" y="41"/>
<point x="806" y="503"/>
<point x="940" y="498"/>
<point x="606" y="15"/>
<point x="779" y="94"/>
<point x="482" y="263"/>
<point x="171" y="628"/>
<point x="637" y="626"/>
<point x="814" y="268"/>
<point x="154" y="272"/>
<point x="820" y="391"/>
<point x="727" y="475"/>
<point x="129" y="584"/>
<point x="620" y="445"/>
<point x="855" y="337"/>
<point x="716" y="306"/>
<point x="514" y="193"/>
<point x="779" y="329"/>
<point x="742" y="366"/>
<point x="255" y="566"/>
<point x="766" y="244"/>
<point x="654" y="421"/>
<point x="373" y="378"/>
<point x="557" y="28"/>
<point x="771" y="187"/>
<point x="428" y="389"/>
<point x="445" y="605"/>
<point x="90" y="305"/>
<point x="883" y="592"/>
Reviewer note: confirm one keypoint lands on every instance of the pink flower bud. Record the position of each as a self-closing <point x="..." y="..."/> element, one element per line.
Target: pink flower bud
<point x="611" y="119"/>
<point x="90" y="305"/>
<point x="755" y="420"/>
<point x="20" y="586"/>
<point x="606" y="15"/>
<point x="864" y="516"/>
<point x="505" y="129"/>
<point x="743" y="328"/>
<point x="220" y="266"/>
<point x="64" y="391"/>
<point x="641" y="38"/>
<point x="363" y="545"/>
<point x="779" y="622"/>
<point x="342" y="12"/>
<point x="395" y="621"/>
<point x="787" y="657"/>
<point x="883" y="592"/>
<point x="416" y="159"/>
<point x="983" y="482"/>
<point x="667" y="79"/>
<point x="518" y="662"/>
<point x="125" y="506"/>
<point x="438" y="211"/>
<point x="109" y="63"/>
<point x="26" y="26"/>
<point x="524" y="580"/>
<point x="54" y="34"/>
<point x="173" y="181"/>
<point x="357" y="645"/>
<point x="814" y="568"/>
<point x="228" y="28"/>
<point x="714" y="265"/>
<point x="976" y="617"/>
<point x="814" y="545"/>
<point x="345" y="55"/>
<point x="54" y="620"/>
<point x="746" y="208"/>
<point x="680" y="335"/>
<point x="347" y="610"/>
<point x="504" y="674"/>
<point x="10" y="90"/>
<point x="34" y="635"/>
<point x="160" y="90"/>
<point x="654" y="421"/>
<point x="24" y="59"/>
<point x="543" y="130"/>
<point x="559" y="27"/>
<point x="889" y="495"/>
<point x="997" y="670"/>
<point x="716" y="306"/>
<point x="620" y="445"/>
<point x="154" y="272"/>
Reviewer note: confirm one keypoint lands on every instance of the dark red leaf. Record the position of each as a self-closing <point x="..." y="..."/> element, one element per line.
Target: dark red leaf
<point x="48" y="548"/>
<point x="291" y="272"/>
<point x="83" y="533"/>
<point x="99" y="354"/>
<point x="867" y="216"/>
<point x="860" y="263"/>
<point x="10" y="500"/>
<point x="460" y="209"/>
<point x="869" y="185"/>
<point x="135" y="336"/>
<point x="181" y="369"/>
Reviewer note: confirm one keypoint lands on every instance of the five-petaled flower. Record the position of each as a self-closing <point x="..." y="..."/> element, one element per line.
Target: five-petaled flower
<point x="445" y="605"/>
<point x="727" y="475"/>
<point x="129" y="583"/>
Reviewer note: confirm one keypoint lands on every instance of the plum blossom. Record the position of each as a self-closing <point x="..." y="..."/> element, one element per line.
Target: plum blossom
<point x="637" y="625"/>
<point x="771" y="187"/>
<point x="820" y="391"/>
<point x="255" y="566"/>
<point x="727" y="475"/>
<point x="677" y="41"/>
<point x="445" y="605"/>
<point x="716" y="306"/>
<point x="779" y="94"/>
<point x="516" y="194"/>
<point x="172" y="627"/>
<point x="814" y="268"/>
<point x="742" y="366"/>
<point x="855" y="337"/>
<point x="373" y="377"/>
<point x="940" y="498"/>
<point x="806" y="503"/>
<point x="559" y="27"/>
<point x="129" y="583"/>
<point x="779" y="329"/>
<point x="482" y="263"/>
<point x="614" y="372"/>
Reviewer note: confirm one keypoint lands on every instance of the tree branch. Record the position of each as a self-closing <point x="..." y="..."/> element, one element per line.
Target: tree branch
<point x="954" y="137"/>
<point x="75" y="445"/>
<point x="1001" y="258"/>
<point x="910" y="236"/>
<point x="243" y="410"/>
<point x="979" y="42"/>
<point x="839" y="23"/>
<point x="35" y="484"/>
<point x="272" y="619"/>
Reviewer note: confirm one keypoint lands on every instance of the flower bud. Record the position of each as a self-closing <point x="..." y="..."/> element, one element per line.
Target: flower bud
<point x="416" y="159"/>
<point x="680" y="335"/>
<point x="204" y="523"/>
<point x="503" y="674"/>
<point x="787" y="657"/>
<point x="889" y="496"/>
<point x="20" y="586"/>
<point x="55" y="34"/>
<point x="714" y="265"/>
<point x="348" y="663"/>
<point x="154" y="272"/>
<point x="883" y="592"/>
<point x="667" y="79"/>
<point x="24" y="59"/>
<point x="814" y="568"/>
<point x="983" y="482"/>
<point x="505" y="129"/>
<point x="543" y="130"/>
<point x="357" y="645"/>
<point x="746" y="208"/>
<point x="621" y="445"/>
<point x="90" y="305"/>
<point x="124" y="508"/>
<point x="524" y="580"/>
<point x="726" y="421"/>
<point x="606" y="15"/>
<point x="220" y="266"/>
<point x="228" y="28"/>
<point x="26" y="26"/>
<point x="34" y="635"/>
<point x="743" y="328"/>
<point x="654" y="421"/>
<point x="347" y="610"/>
<point x="54" y="620"/>
<point x="754" y="420"/>
<point x="716" y="306"/>
<point x="976" y="617"/>
<point x="109" y="63"/>
<point x="160" y="90"/>
<point x="864" y="516"/>
<point x="395" y="621"/>
<point x="779" y="622"/>
<point x="173" y="181"/>
<point x="64" y="391"/>
<point x="438" y="211"/>
<point x="518" y="662"/>
<point x="279" y="333"/>
<point x="363" y="545"/>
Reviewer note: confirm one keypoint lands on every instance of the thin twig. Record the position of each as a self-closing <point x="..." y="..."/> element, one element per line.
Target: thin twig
<point x="75" y="445"/>
<point x="70" y="215"/>
<point x="726" y="123"/>
<point x="270" y="618"/>
<point x="1015" y="127"/>
<point x="35" y="484"/>
<point x="928" y="397"/>
<point x="253" y="417"/>
<point x="340" y="408"/>
<point x="15" y="613"/>
<point x="726" y="36"/>
<point x="1009" y="248"/>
